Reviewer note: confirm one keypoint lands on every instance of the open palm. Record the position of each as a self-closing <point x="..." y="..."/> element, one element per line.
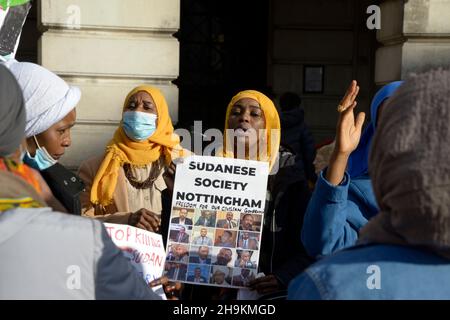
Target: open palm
<point x="348" y="128"/>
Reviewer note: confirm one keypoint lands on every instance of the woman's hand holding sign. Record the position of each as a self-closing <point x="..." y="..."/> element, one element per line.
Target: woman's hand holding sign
<point x="171" y="289"/>
<point x="266" y="284"/>
<point x="145" y="219"/>
<point x="169" y="176"/>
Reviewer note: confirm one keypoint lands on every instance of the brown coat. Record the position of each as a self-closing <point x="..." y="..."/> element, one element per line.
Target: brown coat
<point x="118" y="211"/>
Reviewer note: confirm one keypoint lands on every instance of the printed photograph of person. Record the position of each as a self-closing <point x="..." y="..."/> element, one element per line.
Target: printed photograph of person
<point x="175" y="271"/>
<point x="178" y="253"/>
<point x="227" y="220"/>
<point x="223" y="256"/>
<point x="182" y="216"/>
<point x="241" y="277"/>
<point x="225" y="238"/>
<point x="248" y="240"/>
<point x="179" y="234"/>
<point x="198" y="273"/>
<point x="203" y="236"/>
<point x="200" y="255"/>
<point x="221" y="276"/>
<point x="206" y="218"/>
<point x="245" y="259"/>
<point x="250" y="222"/>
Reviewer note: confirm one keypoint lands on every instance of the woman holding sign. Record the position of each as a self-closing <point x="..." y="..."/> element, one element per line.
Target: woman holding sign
<point x="252" y="131"/>
<point x="127" y="183"/>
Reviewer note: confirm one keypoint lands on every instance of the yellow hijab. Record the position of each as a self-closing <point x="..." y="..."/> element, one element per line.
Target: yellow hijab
<point x="121" y="149"/>
<point x="272" y="126"/>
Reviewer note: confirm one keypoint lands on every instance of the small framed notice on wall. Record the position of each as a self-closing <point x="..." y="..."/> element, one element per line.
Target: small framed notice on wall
<point x="313" y="78"/>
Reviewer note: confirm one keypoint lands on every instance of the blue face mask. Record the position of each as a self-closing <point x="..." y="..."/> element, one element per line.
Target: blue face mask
<point x="42" y="159"/>
<point x="139" y="126"/>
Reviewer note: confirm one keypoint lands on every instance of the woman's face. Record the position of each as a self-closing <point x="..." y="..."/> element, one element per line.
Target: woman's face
<point x="56" y="138"/>
<point x="246" y="114"/>
<point x="141" y="101"/>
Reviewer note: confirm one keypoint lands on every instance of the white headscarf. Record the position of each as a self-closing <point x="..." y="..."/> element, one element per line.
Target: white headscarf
<point x="48" y="98"/>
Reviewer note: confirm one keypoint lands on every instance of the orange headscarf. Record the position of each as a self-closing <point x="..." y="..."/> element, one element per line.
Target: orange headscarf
<point x="19" y="193"/>
<point x="121" y="149"/>
<point x="272" y="126"/>
<point x="20" y="170"/>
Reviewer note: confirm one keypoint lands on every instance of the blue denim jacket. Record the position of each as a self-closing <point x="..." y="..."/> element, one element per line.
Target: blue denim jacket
<point x="384" y="272"/>
<point x="336" y="213"/>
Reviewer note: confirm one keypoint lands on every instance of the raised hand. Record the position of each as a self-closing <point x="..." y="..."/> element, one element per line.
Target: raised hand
<point x="348" y="134"/>
<point x="348" y="131"/>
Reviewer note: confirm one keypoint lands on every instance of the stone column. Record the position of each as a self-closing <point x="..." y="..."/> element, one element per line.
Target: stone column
<point x="414" y="37"/>
<point x="107" y="47"/>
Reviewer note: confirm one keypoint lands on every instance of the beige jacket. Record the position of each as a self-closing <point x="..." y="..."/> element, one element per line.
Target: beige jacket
<point x="118" y="211"/>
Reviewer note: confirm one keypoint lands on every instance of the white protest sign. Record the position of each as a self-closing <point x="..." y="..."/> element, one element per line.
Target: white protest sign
<point x="215" y="183"/>
<point x="144" y="249"/>
<point x="3" y="13"/>
<point x="13" y="14"/>
<point x="216" y="221"/>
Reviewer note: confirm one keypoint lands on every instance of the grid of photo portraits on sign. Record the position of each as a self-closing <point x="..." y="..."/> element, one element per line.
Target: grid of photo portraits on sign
<point x="219" y="248"/>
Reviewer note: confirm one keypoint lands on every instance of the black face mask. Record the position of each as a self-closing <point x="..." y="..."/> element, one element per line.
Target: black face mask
<point x="66" y="187"/>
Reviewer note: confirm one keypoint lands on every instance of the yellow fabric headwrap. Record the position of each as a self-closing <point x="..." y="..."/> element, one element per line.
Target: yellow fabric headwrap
<point x="122" y="150"/>
<point x="272" y="125"/>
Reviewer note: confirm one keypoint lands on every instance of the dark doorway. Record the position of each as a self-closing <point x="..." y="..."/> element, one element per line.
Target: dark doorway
<point x="28" y="45"/>
<point x="223" y="49"/>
